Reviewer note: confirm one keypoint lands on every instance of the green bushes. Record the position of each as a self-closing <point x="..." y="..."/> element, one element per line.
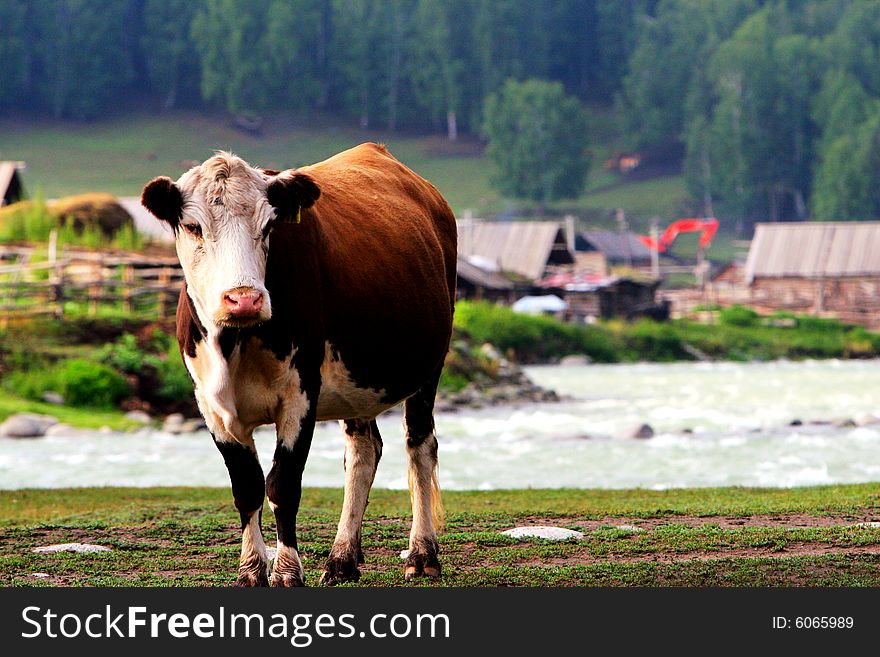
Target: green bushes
<point x="81" y="382"/>
<point x="531" y="338"/>
<point x="116" y="372"/>
<point x="738" y="316"/>
<point x="161" y="364"/>
<point x="740" y="334"/>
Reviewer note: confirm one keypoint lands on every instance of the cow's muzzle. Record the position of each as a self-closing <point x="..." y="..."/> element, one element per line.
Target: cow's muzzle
<point x="243" y="303"/>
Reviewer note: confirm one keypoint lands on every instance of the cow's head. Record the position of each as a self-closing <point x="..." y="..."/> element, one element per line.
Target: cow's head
<point x="222" y="213"/>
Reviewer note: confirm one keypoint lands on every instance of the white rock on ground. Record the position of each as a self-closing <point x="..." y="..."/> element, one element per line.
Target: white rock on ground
<point x="26" y="425"/>
<point x="71" y="547"/>
<point x="139" y="416"/>
<point x="173" y="423"/>
<point x="629" y="528"/>
<point x="68" y="431"/>
<point x="51" y="397"/>
<point x="868" y="525"/>
<point x="539" y="531"/>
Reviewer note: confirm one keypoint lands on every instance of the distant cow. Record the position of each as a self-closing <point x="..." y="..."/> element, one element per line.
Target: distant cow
<point x="320" y="293"/>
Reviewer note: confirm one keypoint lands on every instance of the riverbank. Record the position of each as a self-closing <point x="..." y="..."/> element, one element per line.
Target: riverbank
<point x="735" y="334"/>
<point x="822" y="536"/>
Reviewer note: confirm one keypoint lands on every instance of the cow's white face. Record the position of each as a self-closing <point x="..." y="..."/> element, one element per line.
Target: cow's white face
<point x="222" y="213"/>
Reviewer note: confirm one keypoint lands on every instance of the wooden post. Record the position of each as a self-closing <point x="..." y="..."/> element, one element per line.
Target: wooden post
<point x="95" y="287"/>
<point x="57" y="273"/>
<point x="164" y="281"/>
<point x="127" y="287"/>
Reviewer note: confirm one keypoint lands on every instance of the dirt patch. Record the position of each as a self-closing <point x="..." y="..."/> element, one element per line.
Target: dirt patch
<point x="790" y="521"/>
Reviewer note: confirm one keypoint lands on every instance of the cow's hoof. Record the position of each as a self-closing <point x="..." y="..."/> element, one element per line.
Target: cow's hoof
<point x="288" y="580"/>
<point x="421" y="564"/>
<point x="251" y="579"/>
<point x="339" y="570"/>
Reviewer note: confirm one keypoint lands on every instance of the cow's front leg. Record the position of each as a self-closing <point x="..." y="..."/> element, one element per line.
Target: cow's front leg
<point x="249" y="491"/>
<point x="284" y="487"/>
<point x="363" y="449"/>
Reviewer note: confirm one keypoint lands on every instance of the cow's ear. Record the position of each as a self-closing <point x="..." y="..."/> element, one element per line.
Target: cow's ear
<point x="163" y="198"/>
<point x="290" y="192"/>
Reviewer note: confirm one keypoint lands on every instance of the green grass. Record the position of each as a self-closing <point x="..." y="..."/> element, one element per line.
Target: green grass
<point x="189" y="537"/>
<point x="83" y="418"/>
<point x="119" y="155"/>
<point x="543" y="339"/>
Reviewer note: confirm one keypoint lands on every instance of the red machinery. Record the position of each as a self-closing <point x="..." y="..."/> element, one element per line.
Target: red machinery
<point x="706" y="227"/>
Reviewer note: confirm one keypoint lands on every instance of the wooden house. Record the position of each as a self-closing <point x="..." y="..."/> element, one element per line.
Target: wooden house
<point x="821" y="268"/>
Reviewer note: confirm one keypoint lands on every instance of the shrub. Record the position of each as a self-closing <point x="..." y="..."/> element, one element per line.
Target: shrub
<point x="86" y="383"/>
<point x="81" y="382"/>
<point x="738" y="316"/>
<point x="123" y="355"/>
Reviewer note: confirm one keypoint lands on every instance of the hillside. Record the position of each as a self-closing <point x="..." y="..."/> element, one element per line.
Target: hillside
<point x="119" y="155"/>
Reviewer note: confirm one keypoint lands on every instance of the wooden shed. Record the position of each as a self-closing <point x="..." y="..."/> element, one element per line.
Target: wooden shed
<point x="822" y="268"/>
<point x="481" y="285"/>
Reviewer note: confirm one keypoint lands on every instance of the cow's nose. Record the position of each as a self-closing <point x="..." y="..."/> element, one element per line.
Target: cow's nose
<point x="243" y="302"/>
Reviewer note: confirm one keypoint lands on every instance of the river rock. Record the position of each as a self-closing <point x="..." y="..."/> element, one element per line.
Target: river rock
<point x="26" y="425"/>
<point x="489" y="351"/>
<point x="638" y="431"/>
<point x="844" y="423"/>
<point x="867" y="420"/>
<point x="67" y="431"/>
<point x="51" y="397"/>
<point x="139" y="416"/>
<point x="547" y="533"/>
<point x="71" y="547"/>
<point x="173" y="423"/>
<point x="575" y="359"/>
<point x="796" y="423"/>
<point x="191" y="426"/>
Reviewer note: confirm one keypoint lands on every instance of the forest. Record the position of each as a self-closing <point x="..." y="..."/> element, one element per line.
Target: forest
<point x="771" y="108"/>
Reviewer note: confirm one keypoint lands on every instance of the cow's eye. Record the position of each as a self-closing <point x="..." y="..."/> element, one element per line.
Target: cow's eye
<point x="193" y="229"/>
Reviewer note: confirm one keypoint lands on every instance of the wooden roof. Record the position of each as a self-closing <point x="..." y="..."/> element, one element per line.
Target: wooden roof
<point x="814" y="250"/>
<point x="518" y="247"/>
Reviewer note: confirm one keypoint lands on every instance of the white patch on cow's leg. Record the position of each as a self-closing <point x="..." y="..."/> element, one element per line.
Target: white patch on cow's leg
<point x="363" y="449"/>
<point x="253" y="569"/>
<point x="427" y="508"/>
<point x="295" y="426"/>
<point x="249" y="492"/>
<point x="288" y="570"/>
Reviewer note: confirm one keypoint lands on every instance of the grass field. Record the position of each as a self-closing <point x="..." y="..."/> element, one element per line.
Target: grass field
<point x="119" y="155"/>
<point x="690" y="537"/>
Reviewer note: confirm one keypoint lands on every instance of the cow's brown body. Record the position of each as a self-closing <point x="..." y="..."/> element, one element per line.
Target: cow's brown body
<point x="362" y="286"/>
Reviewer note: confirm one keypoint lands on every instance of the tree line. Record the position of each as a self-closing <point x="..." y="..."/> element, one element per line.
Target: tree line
<point x="773" y="105"/>
<point x="424" y="64"/>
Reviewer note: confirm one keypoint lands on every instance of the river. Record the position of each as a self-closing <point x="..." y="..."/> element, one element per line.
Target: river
<point x="716" y="424"/>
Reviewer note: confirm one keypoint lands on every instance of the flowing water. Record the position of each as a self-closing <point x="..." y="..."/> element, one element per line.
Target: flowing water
<point x="715" y="424"/>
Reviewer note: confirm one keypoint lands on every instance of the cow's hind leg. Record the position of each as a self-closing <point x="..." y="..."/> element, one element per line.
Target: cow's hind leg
<point x="421" y="447"/>
<point x="363" y="449"/>
<point x="249" y="491"/>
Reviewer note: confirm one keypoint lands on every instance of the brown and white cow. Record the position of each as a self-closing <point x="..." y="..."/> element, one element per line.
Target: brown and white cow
<point x="319" y="293"/>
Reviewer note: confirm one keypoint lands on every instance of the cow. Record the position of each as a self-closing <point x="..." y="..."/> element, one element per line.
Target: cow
<point x="319" y="293"/>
